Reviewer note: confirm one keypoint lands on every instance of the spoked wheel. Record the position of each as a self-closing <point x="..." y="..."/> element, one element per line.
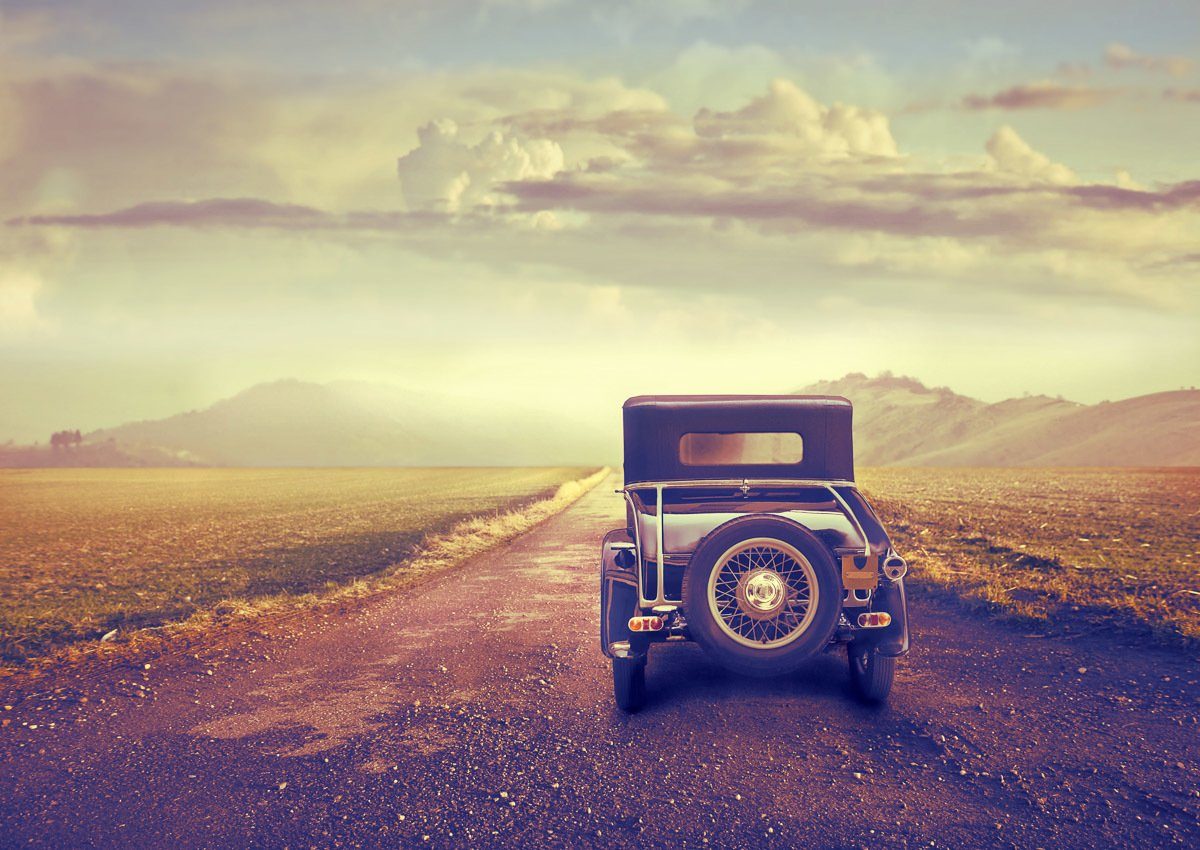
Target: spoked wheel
<point x="871" y="674"/>
<point x="629" y="683"/>
<point x="761" y="595"/>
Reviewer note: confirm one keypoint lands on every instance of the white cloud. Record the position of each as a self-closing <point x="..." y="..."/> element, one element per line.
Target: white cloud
<point x="1011" y="155"/>
<point x="445" y="174"/>
<point x="19" y="315"/>
<point x="786" y="112"/>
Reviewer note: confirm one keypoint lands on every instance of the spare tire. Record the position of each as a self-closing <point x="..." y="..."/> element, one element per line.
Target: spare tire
<point x="762" y="595"/>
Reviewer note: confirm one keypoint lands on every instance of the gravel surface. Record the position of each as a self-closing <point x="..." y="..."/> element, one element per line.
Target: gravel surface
<point x="476" y="710"/>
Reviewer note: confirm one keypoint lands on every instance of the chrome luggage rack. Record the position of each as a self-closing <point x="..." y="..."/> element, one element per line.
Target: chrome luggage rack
<point x="743" y="484"/>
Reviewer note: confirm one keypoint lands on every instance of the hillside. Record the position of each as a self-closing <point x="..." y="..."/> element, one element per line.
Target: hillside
<point x="99" y="454"/>
<point x="297" y="423"/>
<point x="900" y="421"/>
<point x="897" y="421"/>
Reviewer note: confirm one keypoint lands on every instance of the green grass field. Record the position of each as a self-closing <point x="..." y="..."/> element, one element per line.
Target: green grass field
<point x="1083" y="548"/>
<point x="83" y="551"/>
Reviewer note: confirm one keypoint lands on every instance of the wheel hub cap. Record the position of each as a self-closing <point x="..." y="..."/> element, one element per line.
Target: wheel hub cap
<point x="761" y="593"/>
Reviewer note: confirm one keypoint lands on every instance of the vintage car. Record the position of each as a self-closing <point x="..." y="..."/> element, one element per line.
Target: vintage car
<point x="745" y="533"/>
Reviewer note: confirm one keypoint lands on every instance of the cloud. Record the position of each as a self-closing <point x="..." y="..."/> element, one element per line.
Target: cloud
<point x="28" y="260"/>
<point x="1182" y="95"/>
<point x="80" y="135"/>
<point x="24" y="28"/>
<point x="583" y="174"/>
<point x="1122" y="56"/>
<point x="745" y="165"/>
<point x="228" y="212"/>
<point x="444" y="174"/>
<point x="10" y="120"/>
<point x="1040" y="95"/>
<point x="786" y="114"/>
<point x="112" y="134"/>
<point x="716" y="75"/>
<point x="18" y="303"/>
<point x="1010" y="155"/>
<point x="1179" y="196"/>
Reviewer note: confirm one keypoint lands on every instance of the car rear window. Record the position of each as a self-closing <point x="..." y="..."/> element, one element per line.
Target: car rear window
<point x="783" y="448"/>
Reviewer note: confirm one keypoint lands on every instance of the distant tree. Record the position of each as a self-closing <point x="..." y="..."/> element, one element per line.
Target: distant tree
<point x="65" y="439"/>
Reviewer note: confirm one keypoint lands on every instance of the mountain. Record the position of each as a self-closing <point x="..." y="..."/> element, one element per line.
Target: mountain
<point x="900" y="421"/>
<point x="897" y="421"/>
<point x="348" y="423"/>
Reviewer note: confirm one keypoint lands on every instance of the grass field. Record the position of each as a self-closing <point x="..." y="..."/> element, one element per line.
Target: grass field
<point x="84" y="551"/>
<point x="1081" y="548"/>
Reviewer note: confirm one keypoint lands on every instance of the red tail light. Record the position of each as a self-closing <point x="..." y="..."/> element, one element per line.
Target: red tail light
<point x="645" y="624"/>
<point x="874" y="620"/>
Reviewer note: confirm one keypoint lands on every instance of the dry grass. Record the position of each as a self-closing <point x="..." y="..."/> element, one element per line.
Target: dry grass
<point x="1074" y="547"/>
<point x="86" y="552"/>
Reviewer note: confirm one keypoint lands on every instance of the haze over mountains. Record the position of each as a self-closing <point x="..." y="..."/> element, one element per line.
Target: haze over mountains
<point x="898" y="421"/>
<point x="352" y="423"/>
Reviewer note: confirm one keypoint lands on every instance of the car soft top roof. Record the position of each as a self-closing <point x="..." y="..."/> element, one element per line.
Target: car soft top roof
<point x="655" y="424"/>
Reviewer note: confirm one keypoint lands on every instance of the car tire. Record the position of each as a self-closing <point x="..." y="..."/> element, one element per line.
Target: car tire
<point x="722" y="635"/>
<point x="871" y="674"/>
<point x="629" y="683"/>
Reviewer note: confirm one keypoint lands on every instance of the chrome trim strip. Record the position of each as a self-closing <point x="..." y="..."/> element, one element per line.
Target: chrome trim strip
<point x="853" y="600"/>
<point x="637" y="545"/>
<point x="853" y="518"/>
<point x="738" y="482"/>
<point x="660" y="525"/>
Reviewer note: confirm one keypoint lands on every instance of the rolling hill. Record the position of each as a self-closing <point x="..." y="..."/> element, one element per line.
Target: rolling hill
<point x="899" y="421"/>
<point x="349" y="423"/>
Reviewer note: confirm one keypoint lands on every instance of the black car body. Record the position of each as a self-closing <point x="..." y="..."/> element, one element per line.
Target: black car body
<point x="803" y="563"/>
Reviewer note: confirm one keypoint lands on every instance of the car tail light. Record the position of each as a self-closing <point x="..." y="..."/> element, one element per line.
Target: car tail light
<point x="645" y="624"/>
<point x="874" y="620"/>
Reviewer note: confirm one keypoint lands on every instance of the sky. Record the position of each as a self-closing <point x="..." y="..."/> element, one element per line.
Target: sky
<point x="579" y="202"/>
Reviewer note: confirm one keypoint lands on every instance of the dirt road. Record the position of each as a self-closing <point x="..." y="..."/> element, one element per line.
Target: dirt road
<point x="475" y="710"/>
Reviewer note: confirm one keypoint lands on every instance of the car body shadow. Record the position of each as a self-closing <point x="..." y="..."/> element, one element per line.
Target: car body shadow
<point x="680" y="675"/>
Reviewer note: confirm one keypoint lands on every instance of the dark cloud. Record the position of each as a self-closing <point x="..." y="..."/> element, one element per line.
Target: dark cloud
<point x="814" y="203"/>
<point x="967" y="205"/>
<point x="1042" y="95"/>
<point x="243" y="213"/>
<point x="1172" y="197"/>
<point x="962" y="205"/>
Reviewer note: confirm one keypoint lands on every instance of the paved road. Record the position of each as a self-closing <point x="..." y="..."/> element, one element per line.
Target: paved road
<point x="475" y="710"/>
